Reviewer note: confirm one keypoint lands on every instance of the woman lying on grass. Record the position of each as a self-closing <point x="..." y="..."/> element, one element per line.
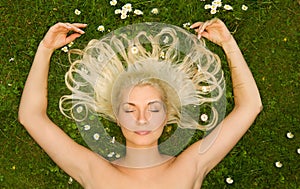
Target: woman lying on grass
<point x="141" y="97"/>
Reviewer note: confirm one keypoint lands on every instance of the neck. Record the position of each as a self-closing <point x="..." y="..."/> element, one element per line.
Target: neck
<point x="142" y="157"/>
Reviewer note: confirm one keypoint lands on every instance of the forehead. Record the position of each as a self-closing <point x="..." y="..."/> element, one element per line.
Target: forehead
<point x="143" y="92"/>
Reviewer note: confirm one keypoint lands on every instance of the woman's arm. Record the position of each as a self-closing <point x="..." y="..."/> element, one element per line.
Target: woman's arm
<point x="246" y="97"/>
<point x="70" y="156"/>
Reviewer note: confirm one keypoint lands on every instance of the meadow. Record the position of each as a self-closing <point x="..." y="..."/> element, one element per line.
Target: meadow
<point x="268" y="33"/>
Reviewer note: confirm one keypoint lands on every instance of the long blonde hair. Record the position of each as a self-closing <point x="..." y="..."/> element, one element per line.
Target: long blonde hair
<point x="181" y="64"/>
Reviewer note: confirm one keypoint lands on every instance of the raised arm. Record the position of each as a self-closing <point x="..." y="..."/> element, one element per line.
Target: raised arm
<point x="70" y="156"/>
<point x="246" y="95"/>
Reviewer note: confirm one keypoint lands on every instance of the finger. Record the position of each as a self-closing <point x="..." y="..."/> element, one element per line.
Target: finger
<point x="79" y="25"/>
<point x="73" y="27"/>
<point x="196" y="25"/>
<point x="72" y="37"/>
<point x="203" y="26"/>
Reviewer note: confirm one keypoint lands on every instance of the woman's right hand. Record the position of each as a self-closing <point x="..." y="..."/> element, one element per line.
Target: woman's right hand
<point x="214" y="30"/>
<point x="57" y="36"/>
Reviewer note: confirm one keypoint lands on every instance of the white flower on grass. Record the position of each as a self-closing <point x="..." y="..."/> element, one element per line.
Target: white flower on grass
<point x="101" y="28"/>
<point x="278" y="164"/>
<point x="79" y="109"/>
<point x="138" y="12"/>
<point x="204" y="117"/>
<point x="10" y="85"/>
<point x="70" y="181"/>
<point x="123" y="16"/>
<point x="118" y="11"/>
<point x="71" y="44"/>
<point x="127" y="7"/>
<point x="290" y="135"/>
<point x="154" y="11"/>
<point x="217" y="3"/>
<point x="77" y="12"/>
<point x="111" y="154"/>
<point x="229" y="180"/>
<point x="228" y="7"/>
<point x="113" y="140"/>
<point x="298" y="150"/>
<point x="205" y="89"/>
<point x="207" y="6"/>
<point x="162" y="54"/>
<point x="124" y="11"/>
<point x="87" y="127"/>
<point x="244" y="7"/>
<point x="84" y="70"/>
<point x="214" y="7"/>
<point x="166" y="39"/>
<point x="117" y="155"/>
<point x="186" y="25"/>
<point x="96" y="136"/>
<point x="213" y="11"/>
<point x="113" y="2"/>
<point x="134" y="50"/>
<point x="65" y="49"/>
<point x="11" y="59"/>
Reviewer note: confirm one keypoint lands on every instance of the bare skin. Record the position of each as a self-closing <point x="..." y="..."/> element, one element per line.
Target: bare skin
<point x="184" y="171"/>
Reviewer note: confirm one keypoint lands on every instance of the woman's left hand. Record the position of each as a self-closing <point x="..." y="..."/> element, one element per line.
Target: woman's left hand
<point x="214" y="30"/>
<point x="57" y="36"/>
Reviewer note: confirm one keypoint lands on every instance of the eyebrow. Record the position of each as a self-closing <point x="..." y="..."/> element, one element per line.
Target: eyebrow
<point x="149" y="103"/>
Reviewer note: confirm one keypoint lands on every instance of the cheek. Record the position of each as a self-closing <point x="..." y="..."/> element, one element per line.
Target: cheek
<point x="126" y="119"/>
<point x="130" y="122"/>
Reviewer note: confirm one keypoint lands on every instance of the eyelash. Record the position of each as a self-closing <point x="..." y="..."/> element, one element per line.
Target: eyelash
<point x="130" y="111"/>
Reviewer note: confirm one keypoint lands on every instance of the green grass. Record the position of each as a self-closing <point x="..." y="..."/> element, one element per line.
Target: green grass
<point x="268" y="34"/>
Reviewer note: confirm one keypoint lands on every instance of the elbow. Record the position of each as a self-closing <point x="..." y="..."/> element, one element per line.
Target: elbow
<point x="21" y="117"/>
<point x="250" y="108"/>
<point x="24" y="116"/>
<point x="256" y="108"/>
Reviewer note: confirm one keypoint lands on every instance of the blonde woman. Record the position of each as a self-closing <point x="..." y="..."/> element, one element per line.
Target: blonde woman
<point x="141" y="106"/>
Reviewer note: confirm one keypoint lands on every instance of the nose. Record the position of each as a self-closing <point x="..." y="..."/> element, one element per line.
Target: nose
<point x="143" y="117"/>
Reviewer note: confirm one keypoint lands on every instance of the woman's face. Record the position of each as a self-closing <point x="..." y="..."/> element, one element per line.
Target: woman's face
<point x="142" y="116"/>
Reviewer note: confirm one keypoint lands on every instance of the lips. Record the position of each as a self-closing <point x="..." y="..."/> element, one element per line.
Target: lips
<point x="142" y="133"/>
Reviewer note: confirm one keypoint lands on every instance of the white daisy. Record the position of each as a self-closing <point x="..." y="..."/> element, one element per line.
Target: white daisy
<point x="244" y="7"/>
<point x="113" y="2"/>
<point x="278" y="164"/>
<point x="70" y="181"/>
<point x="228" y="7"/>
<point x="229" y="180"/>
<point x="123" y="16"/>
<point x="87" y="127"/>
<point x="204" y="117"/>
<point x="134" y="50"/>
<point x="96" y="136"/>
<point x="65" y="49"/>
<point x="77" y="12"/>
<point x="111" y="154"/>
<point x="138" y="12"/>
<point x="154" y="11"/>
<point x="118" y="11"/>
<point x="290" y="135"/>
<point x="101" y="28"/>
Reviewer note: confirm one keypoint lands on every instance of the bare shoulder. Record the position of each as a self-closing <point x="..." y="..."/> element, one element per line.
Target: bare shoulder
<point x="175" y="173"/>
